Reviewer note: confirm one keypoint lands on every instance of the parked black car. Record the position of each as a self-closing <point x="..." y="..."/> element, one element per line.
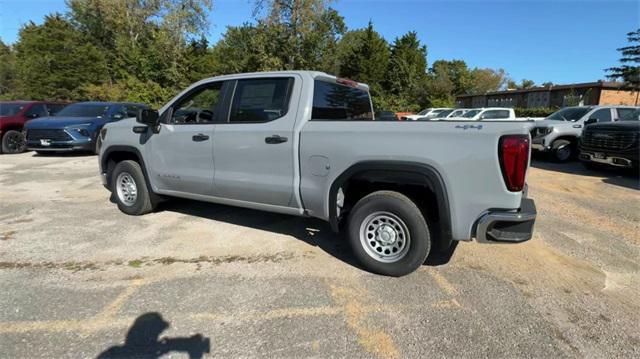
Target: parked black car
<point x="613" y="144"/>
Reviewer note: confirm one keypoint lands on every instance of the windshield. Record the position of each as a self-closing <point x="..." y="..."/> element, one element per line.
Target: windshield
<point x="631" y="116"/>
<point x="423" y="112"/>
<point x="10" y="109"/>
<point x="457" y="113"/>
<point x="572" y="114"/>
<point x="84" y="110"/>
<point x="444" y="113"/>
<point x="471" y="113"/>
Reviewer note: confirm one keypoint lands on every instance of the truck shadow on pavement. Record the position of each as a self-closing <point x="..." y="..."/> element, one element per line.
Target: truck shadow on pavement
<point x="143" y="341"/>
<point x="312" y="231"/>
<point x="626" y="178"/>
<point x="64" y="154"/>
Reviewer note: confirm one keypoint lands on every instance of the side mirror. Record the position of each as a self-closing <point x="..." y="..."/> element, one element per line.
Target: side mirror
<point x="148" y="117"/>
<point x="590" y="121"/>
<point x="117" y="116"/>
<point x="34" y="115"/>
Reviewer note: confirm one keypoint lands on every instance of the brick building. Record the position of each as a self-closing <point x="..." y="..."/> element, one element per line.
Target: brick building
<point x="591" y="93"/>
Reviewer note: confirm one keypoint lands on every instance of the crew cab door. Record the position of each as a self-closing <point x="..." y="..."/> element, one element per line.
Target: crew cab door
<point x="254" y="149"/>
<point x="182" y="151"/>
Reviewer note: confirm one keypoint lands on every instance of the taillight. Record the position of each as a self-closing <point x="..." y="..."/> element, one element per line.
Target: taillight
<point x="513" y="152"/>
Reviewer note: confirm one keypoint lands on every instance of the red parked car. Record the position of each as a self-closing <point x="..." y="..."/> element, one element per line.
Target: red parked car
<point x="13" y="116"/>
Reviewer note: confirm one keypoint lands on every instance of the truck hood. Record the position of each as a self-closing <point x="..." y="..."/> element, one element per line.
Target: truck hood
<point x="60" y="122"/>
<point x="553" y="123"/>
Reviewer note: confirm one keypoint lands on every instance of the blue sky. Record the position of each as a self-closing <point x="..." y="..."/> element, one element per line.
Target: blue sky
<point x="561" y="41"/>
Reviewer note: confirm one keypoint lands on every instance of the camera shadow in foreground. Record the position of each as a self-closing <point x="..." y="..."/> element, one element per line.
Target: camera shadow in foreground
<point x="143" y="341"/>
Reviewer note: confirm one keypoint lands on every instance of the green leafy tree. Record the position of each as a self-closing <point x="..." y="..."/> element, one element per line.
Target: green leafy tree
<point x="303" y="31"/>
<point x="7" y="71"/>
<point x="629" y="69"/>
<point x="524" y="84"/>
<point x="55" y="60"/>
<point x="457" y="72"/>
<point x="363" y="55"/>
<point x="149" y="40"/>
<point x="407" y="67"/>
<point x="247" y="48"/>
<point x="487" y="80"/>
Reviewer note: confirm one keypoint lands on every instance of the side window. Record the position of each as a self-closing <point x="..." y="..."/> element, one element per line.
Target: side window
<point x="495" y="114"/>
<point x="335" y="102"/>
<point x="625" y="112"/>
<point x="37" y="110"/>
<point x="54" y="108"/>
<point x="199" y="107"/>
<point x="502" y="114"/>
<point x="603" y="115"/>
<point x="260" y="100"/>
<point x="131" y="110"/>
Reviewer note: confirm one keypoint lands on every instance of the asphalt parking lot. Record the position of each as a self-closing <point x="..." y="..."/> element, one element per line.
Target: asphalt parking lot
<point x="79" y="278"/>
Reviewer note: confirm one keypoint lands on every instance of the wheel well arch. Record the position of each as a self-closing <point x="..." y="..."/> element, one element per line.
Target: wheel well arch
<point x="114" y="154"/>
<point x="420" y="182"/>
<point x="571" y="138"/>
<point x="12" y="127"/>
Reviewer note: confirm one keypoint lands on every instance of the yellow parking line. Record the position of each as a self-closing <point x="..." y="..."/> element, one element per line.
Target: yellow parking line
<point x="373" y="340"/>
<point x="442" y="282"/>
<point x="112" y="308"/>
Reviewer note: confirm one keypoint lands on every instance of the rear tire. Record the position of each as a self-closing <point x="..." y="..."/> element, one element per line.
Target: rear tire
<point x="129" y="188"/>
<point x="562" y="150"/>
<point x="13" y="142"/>
<point x="388" y="234"/>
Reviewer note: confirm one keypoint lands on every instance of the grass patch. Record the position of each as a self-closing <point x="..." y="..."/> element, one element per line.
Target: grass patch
<point x="136" y="263"/>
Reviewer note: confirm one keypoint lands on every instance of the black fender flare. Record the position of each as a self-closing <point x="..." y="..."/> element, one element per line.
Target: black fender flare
<point x="426" y="174"/>
<point x="104" y="160"/>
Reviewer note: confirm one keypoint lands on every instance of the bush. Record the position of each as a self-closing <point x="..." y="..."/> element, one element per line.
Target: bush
<point x="535" y="111"/>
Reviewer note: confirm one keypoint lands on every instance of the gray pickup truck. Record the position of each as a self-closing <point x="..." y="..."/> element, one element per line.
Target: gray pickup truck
<point x="558" y="135"/>
<point x="306" y="143"/>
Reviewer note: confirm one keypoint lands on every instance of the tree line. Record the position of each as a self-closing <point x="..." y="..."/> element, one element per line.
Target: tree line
<point x="147" y="51"/>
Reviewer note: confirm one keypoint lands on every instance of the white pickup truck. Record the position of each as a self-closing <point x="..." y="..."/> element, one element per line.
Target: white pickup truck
<point x="308" y="144"/>
<point x="426" y="114"/>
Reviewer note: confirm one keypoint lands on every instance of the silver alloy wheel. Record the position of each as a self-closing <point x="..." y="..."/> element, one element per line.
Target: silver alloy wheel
<point x="127" y="189"/>
<point x="384" y="237"/>
<point x="563" y="152"/>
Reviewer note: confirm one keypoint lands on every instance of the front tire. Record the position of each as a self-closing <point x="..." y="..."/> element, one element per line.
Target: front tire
<point x="129" y="187"/>
<point x="388" y="234"/>
<point x="13" y="142"/>
<point x="98" y="145"/>
<point x="562" y="150"/>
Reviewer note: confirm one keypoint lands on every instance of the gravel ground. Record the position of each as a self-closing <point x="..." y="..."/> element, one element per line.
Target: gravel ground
<point x="78" y="278"/>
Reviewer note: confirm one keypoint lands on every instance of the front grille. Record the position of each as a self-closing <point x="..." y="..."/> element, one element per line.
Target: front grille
<point x="47" y="134"/>
<point x="609" y="140"/>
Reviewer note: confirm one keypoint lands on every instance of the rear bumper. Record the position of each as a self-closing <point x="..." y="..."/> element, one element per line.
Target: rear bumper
<point x="507" y="226"/>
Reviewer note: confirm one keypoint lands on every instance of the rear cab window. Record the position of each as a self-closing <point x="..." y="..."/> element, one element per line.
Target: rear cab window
<point x="337" y="102"/>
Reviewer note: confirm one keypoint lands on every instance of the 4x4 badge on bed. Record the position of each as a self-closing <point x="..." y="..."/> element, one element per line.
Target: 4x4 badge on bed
<point x="466" y="127"/>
